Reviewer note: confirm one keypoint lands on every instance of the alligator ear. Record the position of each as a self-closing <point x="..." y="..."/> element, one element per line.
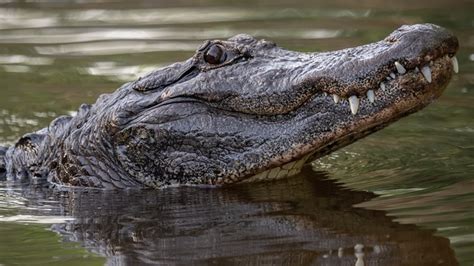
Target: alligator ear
<point x="167" y="76"/>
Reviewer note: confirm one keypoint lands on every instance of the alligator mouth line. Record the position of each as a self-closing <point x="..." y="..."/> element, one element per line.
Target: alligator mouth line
<point x="398" y="71"/>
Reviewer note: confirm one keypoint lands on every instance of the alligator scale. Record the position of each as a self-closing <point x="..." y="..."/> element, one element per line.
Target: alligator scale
<point x="239" y="110"/>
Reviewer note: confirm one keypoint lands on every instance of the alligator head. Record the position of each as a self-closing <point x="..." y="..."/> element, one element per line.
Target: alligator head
<point x="244" y="109"/>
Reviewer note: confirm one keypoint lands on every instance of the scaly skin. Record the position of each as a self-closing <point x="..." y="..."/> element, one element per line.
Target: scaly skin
<point x="236" y="110"/>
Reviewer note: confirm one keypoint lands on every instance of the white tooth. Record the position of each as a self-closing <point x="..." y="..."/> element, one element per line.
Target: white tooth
<point x="426" y="73"/>
<point x="335" y="98"/>
<point x="354" y="104"/>
<point x="382" y="86"/>
<point x="400" y="68"/>
<point x="454" y="61"/>
<point x="417" y="70"/>
<point x="371" y="96"/>
<point x="325" y="93"/>
<point x="392" y="75"/>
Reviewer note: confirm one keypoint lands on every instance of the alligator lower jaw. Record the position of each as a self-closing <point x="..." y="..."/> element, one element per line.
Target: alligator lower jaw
<point x="432" y="79"/>
<point x="286" y="170"/>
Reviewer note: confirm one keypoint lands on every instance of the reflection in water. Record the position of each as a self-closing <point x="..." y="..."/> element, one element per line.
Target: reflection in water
<point x="304" y="220"/>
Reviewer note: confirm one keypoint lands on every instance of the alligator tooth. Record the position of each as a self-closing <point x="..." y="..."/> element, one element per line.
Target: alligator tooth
<point x="371" y="96"/>
<point x="426" y="73"/>
<point x="392" y="75"/>
<point x="417" y="70"/>
<point x="335" y="98"/>
<point x="382" y="86"/>
<point x="400" y="68"/>
<point x="325" y="93"/>
<point x="354" y="104"/>
<point x="454" y="61"/>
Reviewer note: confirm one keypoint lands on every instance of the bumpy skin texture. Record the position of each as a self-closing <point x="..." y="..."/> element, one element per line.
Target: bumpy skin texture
<point x="253" y="108"/>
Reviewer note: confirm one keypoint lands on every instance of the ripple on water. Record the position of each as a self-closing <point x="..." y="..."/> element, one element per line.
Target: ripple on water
<point x="32" y="219"/>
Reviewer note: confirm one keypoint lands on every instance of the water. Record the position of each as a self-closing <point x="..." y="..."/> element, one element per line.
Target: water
<point x="406" y="193"/>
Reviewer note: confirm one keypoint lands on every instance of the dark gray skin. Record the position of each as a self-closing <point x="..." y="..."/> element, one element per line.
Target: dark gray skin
<point x="236" y="109"/>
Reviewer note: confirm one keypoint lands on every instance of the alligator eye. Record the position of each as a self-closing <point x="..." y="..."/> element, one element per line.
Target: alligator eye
<point x="215" y="55"/>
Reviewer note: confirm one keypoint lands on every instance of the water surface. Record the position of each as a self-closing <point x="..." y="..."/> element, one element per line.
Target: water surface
<point x="405" y="194"/>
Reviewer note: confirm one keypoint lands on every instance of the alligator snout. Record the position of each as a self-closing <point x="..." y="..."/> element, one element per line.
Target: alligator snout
<point x="367" y="71"/>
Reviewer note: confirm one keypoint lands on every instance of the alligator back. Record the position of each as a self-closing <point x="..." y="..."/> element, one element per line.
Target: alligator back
<point x="28" y="157"/>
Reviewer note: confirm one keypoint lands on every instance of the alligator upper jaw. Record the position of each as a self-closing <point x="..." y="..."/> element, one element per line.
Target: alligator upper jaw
<point x="424" y="82"/>
<point x="360" y="71"/>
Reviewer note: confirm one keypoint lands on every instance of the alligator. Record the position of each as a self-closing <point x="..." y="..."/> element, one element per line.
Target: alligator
<point x="239" y="110"/>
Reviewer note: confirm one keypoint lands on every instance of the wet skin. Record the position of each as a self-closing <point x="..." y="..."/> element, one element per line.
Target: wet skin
<point x="239" y="110"/>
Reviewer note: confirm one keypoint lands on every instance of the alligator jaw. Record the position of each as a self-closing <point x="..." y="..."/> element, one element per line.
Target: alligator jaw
<point x="397" y="89"/>
<point x="439" y="70"/>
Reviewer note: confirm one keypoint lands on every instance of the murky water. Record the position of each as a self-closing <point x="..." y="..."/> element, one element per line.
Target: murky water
<point x="404" y="195"/>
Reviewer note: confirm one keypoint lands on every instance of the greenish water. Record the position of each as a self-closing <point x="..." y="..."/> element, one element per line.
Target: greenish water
<point x="406" y="193"/>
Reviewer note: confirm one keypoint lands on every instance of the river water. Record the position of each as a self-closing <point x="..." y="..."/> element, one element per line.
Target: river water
<point x="404" y="195"/>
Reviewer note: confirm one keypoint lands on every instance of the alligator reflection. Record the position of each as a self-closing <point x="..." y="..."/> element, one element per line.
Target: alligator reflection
<point x="302" y="220"/>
